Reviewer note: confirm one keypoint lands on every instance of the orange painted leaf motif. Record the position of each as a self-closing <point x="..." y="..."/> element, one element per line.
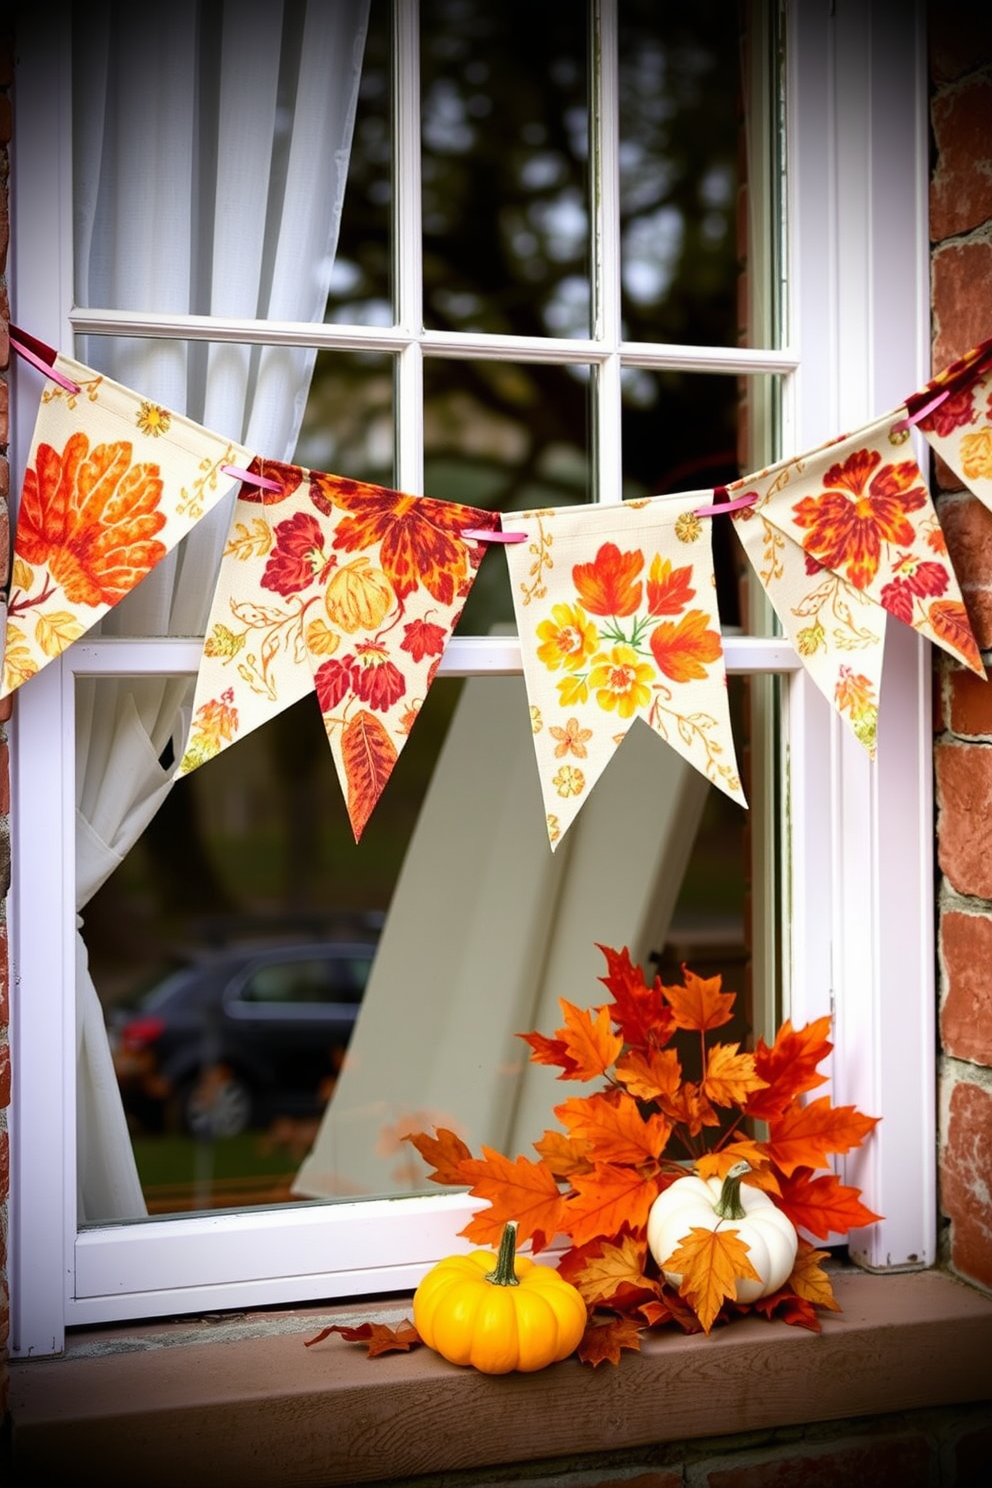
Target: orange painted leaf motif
<point x="589" y="1041"/>
<point x="522" y="1190"/>
<point x="804" y="1136"/>
<point x="565" y="1156"/>
<point x="613" y="1128"/>
<point x="789" y="1067"/>
<point x="823" y="1205"/>
<point x="710" y="1262"/>
<point x="609" y="584"/>
<point x="605" y="1200"/>
<point x="949" y="620"/>
<point x="91" y="516"/>
<point x="684" y="650"/>
<point x="809" y="1280"/>
<point x="615" y="1276"/>
<point x="544" y="1050"/>
<point x="444" y="1152"/>
<point x="656" y="1075"/>
<point x="730" y="1076"/>
<point x="669" y="589"/>
<point x="369" y="755"/>
<point x="699" y="1004"/>
<point x="638" y="1010"/>
<point x="379" y="1338"/>
<point x="601" y="1343"/>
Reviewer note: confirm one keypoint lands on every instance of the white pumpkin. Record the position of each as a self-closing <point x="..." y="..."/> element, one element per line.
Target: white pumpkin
<point x="709" y="1203"/>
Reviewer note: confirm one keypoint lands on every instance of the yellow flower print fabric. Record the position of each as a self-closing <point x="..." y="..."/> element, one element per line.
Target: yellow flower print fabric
<point x="112" y="484"/>
<point x="616" y="611"/>
<point x="841" y="537"/>
<point x="340" y="588"/>
<point x="959" y="428"/>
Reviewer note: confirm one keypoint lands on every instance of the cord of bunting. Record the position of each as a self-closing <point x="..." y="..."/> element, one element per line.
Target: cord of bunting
<point x="352" y="591"/>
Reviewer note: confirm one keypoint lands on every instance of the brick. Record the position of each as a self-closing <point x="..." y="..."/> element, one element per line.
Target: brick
<point x="960" y="38"/>
<point x="969" y="705"/>
<point x="961" y="275"/>
<point x="966" y="1012"/>
<point x="967" y="526"/>
<point x="903" y="1461"/>
<point x="964" y="819"/>
<point x="965" y="1195"/>
<point x="961" y="188"/>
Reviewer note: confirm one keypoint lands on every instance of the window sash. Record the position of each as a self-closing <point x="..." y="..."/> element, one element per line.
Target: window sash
<point x="856" y="852"/>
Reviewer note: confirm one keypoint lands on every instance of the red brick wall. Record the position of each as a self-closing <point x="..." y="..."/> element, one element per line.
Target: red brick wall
<point x="961" y="278"/>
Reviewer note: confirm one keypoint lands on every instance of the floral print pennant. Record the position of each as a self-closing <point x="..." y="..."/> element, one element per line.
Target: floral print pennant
<point x="840" y="536"/>
<point x="959" y="427"/>
<point x="341" y="588"/>
<point x="616" y="611"/>
<point x="112" y="483"/>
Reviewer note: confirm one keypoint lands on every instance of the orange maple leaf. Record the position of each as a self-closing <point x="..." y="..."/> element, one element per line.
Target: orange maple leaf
<point x="788" y="1308"/>
<point x="601" y="1343"/>
<point x="614" y="1274"/>
<point x="804" y="1136"/>
<point x="689" y="1108"/>
<point x="638" y="1010"/>
<point x="614" y="1128"/>
<point x="368" y="755"/>
<point x="823" y="1205"/>
<point x="379" y="1338"/>
<point x="609" y="585"/>
<point x="544" y="1050"/>
<point x="699" y="1004"/>
<point x="789" y="1067"/>
<point x="742" y="1149"/>
<point x="669" y="589"/>
<point x="588" y="1041"/>
<point x="444" y="1152"/>
<point x="809" y="1280"/>
<point x="655" y="1075"/>
<point x="710" y="1264"/>
<point x="730" y="1076"/>
<point x="606" y="1199"/>
<point x="522" y="1190"/>
<point x="563" y="1155"/>
<point x="683" y="650"/>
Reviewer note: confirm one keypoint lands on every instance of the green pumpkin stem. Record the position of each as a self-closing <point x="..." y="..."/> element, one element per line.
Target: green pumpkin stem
<point x="728" y="1205"/>
<point x="503" y="1273"/>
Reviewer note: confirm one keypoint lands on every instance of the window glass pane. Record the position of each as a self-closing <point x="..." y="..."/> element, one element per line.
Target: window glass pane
<point x="680" y="91"/>
<point x="505" y="148"/>
<point x="348" y="422"/>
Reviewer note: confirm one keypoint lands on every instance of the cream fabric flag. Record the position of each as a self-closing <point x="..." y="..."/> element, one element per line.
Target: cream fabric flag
<point x="340" y="588"/>
<point x="112" y="483"/>
<point x="616" y="611"/>
<point x="839" y="537"/>
<point x="959" y="427"/>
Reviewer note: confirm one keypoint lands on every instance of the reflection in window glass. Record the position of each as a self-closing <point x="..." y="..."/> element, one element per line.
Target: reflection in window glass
<point x="348" y="425"/>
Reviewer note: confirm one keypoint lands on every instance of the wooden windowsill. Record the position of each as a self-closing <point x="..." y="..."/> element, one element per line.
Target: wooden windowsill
<point x="223" y="1400"/>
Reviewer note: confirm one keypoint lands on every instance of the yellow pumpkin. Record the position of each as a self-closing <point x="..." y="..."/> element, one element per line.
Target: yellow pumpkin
<point x="358" y="596"/>
<point x="514" y="1315"/>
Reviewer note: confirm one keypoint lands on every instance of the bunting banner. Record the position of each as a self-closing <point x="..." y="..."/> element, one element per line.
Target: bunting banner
<point x="112" y="483"/>
<point x="839" y="538"/>
<point x="954" y="414"/>
<point x="340" y="588"/>
<point x="616" y="612"/>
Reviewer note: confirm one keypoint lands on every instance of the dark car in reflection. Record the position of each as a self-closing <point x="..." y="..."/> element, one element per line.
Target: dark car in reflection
<point x="241" y="1036"/>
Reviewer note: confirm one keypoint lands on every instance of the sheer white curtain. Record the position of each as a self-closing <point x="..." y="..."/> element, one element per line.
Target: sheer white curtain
<point x="211" y="152"/>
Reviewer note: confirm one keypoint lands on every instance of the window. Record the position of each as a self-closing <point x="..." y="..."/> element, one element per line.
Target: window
<point x="840" y="856"/>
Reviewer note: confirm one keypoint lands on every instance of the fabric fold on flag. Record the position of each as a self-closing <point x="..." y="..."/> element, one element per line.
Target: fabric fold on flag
<point x="341" y="588"/>
<point x="617" y="615"/>
<point x="113" y="482"/>
<point x="959" y="429"/>
<point x="839" y="538"/>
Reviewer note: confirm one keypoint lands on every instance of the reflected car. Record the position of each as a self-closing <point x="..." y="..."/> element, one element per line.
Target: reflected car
<point x="240" y="1037"/>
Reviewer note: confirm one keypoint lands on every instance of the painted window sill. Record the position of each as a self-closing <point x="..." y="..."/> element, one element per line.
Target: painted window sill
<point x="215" y="1400"/>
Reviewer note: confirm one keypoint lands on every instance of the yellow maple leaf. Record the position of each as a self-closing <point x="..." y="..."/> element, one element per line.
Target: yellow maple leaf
<point x="709" y="1264"/>
<point x="55" y="631"/>
<point x="730" y="1077"/>
<point x="615" y="1268"/>
<point x="809" y="1280"/>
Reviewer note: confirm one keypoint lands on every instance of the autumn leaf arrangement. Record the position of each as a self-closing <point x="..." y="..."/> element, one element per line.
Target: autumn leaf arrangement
<point x="644" y="1126"/>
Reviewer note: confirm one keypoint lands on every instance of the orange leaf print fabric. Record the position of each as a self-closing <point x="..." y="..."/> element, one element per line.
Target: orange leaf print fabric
<point x="112" y="484"/>
<point x="616" y="610"/>
<point x="841" y="537"/>
<point x="339" y="588"/>
<point x="960" y="428"/>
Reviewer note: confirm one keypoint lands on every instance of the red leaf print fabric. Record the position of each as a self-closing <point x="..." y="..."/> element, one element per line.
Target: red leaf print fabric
<point x="960" y="428"/>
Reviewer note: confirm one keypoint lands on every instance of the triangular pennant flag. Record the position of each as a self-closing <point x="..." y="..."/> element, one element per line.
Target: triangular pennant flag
<point x="959" y="424"/>
<point x="616" y="611"/>
<point x="113" y="481"/>
<point x="835" y="533"/>
<point x="342" y="588"/>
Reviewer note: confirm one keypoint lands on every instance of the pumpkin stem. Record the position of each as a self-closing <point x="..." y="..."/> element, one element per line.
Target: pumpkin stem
<point x="728" y="1205"/>
<point x="503" y="1273"/>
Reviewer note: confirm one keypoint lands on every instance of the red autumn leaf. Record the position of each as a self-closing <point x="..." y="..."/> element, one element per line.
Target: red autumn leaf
<point x="669" y="590"/>
<point x="788" y="1308"/>
<point x="602" y="1341"/>
<point x="607" y="585"/>
<point x="606" y="1199"/>
<point x="710" y="1262"/>
<point x="589" y="1041"/>
<point x="805" y="1136"/>
<point x="333" y="680"/>
<point x="823" y="1205"/>
<point x="369" y="755"/>
<point x="699" y="1005"/>
<point x="422" y="638"/>
<point x="522" y="1190"/>
<point x="638" y="1010"/>
<point x="950" y="623"/>
<point x="379" y="1338"/>
<point x="613" y="1128"/>
<point x="544" y="1050"/>
<point x="683" y="651"/>
<point x="288" y="476"/>
<point x="445" y="1152"/>
<point x="653" y="1076"/>
<point x="789" y="1066"/>
<point x="565" y="1156"/>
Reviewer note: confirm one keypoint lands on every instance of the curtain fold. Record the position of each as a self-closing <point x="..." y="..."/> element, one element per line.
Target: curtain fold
<point x="211" y="146"/>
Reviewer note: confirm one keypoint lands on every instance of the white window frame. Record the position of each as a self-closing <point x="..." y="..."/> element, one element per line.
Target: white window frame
<point x="857" y="894"/>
